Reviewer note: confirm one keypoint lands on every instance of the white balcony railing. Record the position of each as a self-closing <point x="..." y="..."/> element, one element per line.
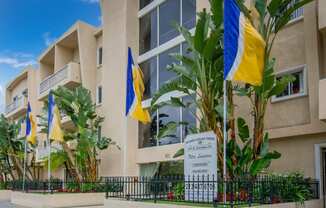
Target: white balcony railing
<point x="18" y="103"/>
<point x="42" y="152"/>
<point x="54" y="79"/>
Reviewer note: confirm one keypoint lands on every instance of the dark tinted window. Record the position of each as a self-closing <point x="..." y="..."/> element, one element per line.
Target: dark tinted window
<point x="147" y="133"/>
<point x="169" y="15"/>
<point x="100" y="56"/>
<point x="188" y="116"/>
<point x="143" y="3"/>
<point x="148" y="32"/>
<point x="99" y="95"/>
<point x="150" y="77"/>
<point x="168" y="115"/>
<point x="189" y="13"/>
<point x="164" y="60"/>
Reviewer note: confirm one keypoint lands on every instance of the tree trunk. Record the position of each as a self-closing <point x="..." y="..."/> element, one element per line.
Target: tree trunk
<point x="71" y="158"/>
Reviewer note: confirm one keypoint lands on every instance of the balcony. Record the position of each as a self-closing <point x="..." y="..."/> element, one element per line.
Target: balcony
<point x="42" y="152"/>
<point x="68" y="76"/>
<point x="322" y="15"/>
<point x="322" y="100"/>
<point x="18" y="107"/>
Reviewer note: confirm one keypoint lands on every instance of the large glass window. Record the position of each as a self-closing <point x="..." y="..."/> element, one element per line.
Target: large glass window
<point x="188" y="115"/>
<point x="149" y="69"/>
<point x="147" y="132"/>
<point x="169" y="15"/>
<point x="148" y="32"/>
<point x="157" y="26"/>
<point x="143" y="3"/>
<point x="188" y="11"/>
<point x="169" y="116"/>
<point x="166" y="59"/>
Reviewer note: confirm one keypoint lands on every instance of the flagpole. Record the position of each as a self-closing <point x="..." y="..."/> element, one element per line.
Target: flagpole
<point x="25" y="158"/>
<point x="224" y="138"/>
<point x="49" y="164"/>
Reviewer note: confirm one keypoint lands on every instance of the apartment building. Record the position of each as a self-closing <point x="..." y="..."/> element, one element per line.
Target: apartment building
<point x="18" y="92"/>
<point x="96" y="58"/>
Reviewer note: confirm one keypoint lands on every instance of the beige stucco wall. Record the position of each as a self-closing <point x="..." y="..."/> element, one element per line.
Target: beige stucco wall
<point x="63" y="56"/>
<point x="57" y="200"/>
<point x="298" y="154"/>
<point x="322" y="14"/>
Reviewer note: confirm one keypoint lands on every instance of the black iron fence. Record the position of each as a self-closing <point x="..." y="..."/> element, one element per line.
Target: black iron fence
<point x="199" y="190"/>
<point x="209" y="189"/>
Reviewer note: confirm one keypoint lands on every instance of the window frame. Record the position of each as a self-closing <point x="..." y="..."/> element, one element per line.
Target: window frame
<point x="290" y="71"/>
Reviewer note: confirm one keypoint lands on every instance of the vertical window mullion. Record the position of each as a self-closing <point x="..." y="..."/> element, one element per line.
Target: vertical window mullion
<point x="157" y="70"/>
<point x="181" y="19"/>
<point x="181" y="119"/>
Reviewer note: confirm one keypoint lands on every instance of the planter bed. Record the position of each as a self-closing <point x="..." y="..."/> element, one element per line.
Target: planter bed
<point x="37" y="200"/>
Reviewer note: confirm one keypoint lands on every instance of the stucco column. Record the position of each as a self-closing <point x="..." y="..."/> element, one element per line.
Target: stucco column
<point x="120" y="30"/>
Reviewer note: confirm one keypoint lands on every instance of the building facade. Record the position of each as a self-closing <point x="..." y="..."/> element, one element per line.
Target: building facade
<point x="96" y="58"/>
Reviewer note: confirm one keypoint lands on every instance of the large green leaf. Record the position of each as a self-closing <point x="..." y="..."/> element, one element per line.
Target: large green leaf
<point x="243" y="129"/>
<point x="179" y="153"/>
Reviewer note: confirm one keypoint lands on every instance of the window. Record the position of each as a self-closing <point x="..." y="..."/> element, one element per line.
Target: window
<point x="25" y="93"/>
<point x="149" y="69"/>
<point x="15" y="99"/>
<point x="296" y="88"/>
<point x="99" y="95"/>
<point x="297" y="13"/>
<point x="156" y="26"/>
<point x="99" y="56"/>
<point x="188" y="116"/>
<point x="99" y="132"/>
<point x="143" y="3"/>
<point x="158" y="38"/>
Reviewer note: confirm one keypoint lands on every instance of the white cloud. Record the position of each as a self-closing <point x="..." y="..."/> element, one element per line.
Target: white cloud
<point x="48" y="40"/>
<point x="17" y="60"/>
<point x="91" y="1"/>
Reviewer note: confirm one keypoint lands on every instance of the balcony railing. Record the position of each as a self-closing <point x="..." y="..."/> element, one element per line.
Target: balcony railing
<point x="54" y="79"/>
<point x="68" y="76"/>
<point x="42" y="152"/>
<point x="18" y="103"/>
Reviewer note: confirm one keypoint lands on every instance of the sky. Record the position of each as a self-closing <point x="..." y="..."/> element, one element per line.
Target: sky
<point x="28" y="27"/>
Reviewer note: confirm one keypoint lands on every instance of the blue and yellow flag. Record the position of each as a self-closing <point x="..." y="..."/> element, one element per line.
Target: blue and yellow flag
<point x="135" y="90"/>
<point x="244" y="48"/>
<point x="30" y="126"/>
<point x="54" y="121"/>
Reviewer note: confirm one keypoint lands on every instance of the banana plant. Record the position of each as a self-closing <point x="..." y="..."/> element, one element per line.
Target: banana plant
<point x="241" y="160"/>
<point x="77" y="105"/>
<point x="12" y="148"/>
<point x="272" y="16"/>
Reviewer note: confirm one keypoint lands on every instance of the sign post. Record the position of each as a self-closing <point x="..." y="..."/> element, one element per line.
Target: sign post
<point x="200" y="167"/>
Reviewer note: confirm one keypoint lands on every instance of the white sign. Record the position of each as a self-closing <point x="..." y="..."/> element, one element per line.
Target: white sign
<point x="200" y="167"/>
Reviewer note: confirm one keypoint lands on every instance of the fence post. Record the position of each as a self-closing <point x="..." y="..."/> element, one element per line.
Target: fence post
<point x="155" y="190"/>
<point x="106" y="189"/>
